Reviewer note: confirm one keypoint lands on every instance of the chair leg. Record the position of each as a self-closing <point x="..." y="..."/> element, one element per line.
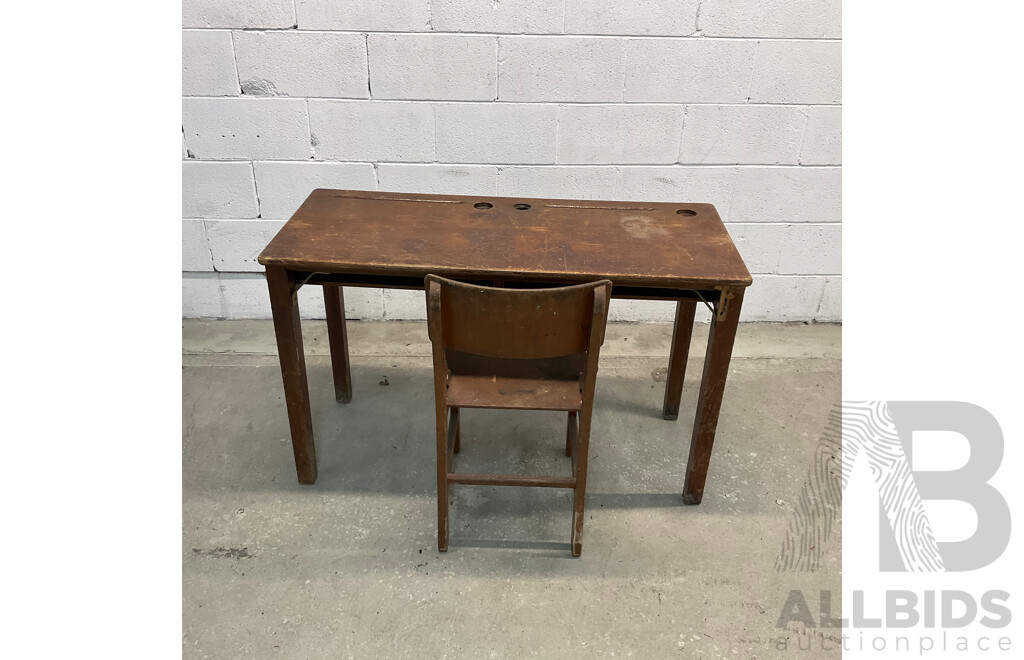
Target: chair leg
<point x="442" y="478"/>
<point x="568" y="433"/>
<point x="577" y="522"/>
<point x="458" y="431"/>
<point x="579" y="493"/>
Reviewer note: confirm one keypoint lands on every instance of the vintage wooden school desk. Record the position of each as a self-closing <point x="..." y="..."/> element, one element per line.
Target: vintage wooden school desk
<point x="650" y="251"/>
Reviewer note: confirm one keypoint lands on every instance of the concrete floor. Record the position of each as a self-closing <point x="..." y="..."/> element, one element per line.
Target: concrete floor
<point x="349" y="568"/>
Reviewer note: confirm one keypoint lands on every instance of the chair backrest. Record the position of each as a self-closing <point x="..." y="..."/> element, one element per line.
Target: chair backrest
<point x="517" y="323"/>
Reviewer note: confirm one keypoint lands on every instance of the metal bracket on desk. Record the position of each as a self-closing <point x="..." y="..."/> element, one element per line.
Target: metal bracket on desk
<point x="723" y="305"/>
<point x="710" y="306"/>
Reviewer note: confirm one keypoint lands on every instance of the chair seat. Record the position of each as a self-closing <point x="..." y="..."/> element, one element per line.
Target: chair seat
<point x="516" y="393"/>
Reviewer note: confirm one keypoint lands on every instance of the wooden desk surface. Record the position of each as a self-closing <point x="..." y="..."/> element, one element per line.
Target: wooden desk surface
<point x="636" y="243"/>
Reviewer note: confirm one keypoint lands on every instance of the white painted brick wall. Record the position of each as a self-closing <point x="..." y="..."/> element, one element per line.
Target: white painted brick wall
<point x="831" y="308"/>
<point x="686" y="184"/>
<point x="369" y="131"/>
<point x="737" y="104"/>
<point x="651" y="17"/>
<point x="217" y="190"/>
<point x="433" y="67"/>
<point x="208" y="63"/>
<point x="288" y="63"/>
<point x="572" y="69"/>
<point x="565" y="182"/>
<point x="438" y="179"/>
<point x="235" y="244"/>
<point x="823" y="144"/>
<point x="376" y="15"/>
<point x="592" y="134"/>
<point x="797" y="72"/>
<point x="283" y="186"/>
<point x="786" y="194"/>
<point x="496" y="133"/>
<point x="200" y="296"/>
<point x="195" y="247"/>
<point x="733" y="134"/>
<point x="238" y="13"/>
<point x="246" y="128"/>
<point x="512" y="16"/>
<point x="772" y="18"/>
<point x="797" y="249"/>
<point x="244" y="296"/>
<point x="688" y="71"/>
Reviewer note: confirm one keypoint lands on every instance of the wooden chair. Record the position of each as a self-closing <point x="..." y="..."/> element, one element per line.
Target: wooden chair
<point x="528" y="349"/>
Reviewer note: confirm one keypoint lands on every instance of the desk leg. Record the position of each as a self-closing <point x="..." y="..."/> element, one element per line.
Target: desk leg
<point x="681" y="333"/>
<point x="285" y="306"/>
<point x="709" y="403"/>
<point x="334" y="302"/>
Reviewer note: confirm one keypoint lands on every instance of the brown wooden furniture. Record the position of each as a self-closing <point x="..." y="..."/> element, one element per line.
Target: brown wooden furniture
<point x="528" y="349"/>
<point x="656" y="251"/>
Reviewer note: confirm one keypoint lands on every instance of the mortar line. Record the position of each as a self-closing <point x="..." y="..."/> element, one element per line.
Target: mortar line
<point x="803" y="138"/>
<point x="309" y="132"/>
<point x="369" y="83"/>
<point x="744" y="104"/>
<point x="256" y="190"/>
<point x="234" y="61"/>
<point x="663" y="165"/>
<point x="753" y="68"/>
<point x="544" y="35"/>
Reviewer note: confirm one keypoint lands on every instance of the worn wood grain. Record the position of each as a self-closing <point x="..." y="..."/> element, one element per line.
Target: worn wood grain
<point x="638" y="243"/>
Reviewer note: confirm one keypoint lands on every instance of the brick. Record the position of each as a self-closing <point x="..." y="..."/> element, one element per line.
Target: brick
<point x="195" y="249"/>
<point x="246" y="128"/>
<point x="514" y="16"/>
<point x="374" y="15"/>
<point x="496" y="133"/>
<point x="207" y="63"/>
<point x="650" y="17"/>
<point x="797" y="249"/>
<point x="235" y="244"/>
<point x="200" y="296"/>
<point x="608" y="134"/>
<point x="404" y="305"/>
<point x="301" y="64"/>
<point x="438" y="179"/>
<point x="372" y="130"/>
<point x="812" y="249"/>
<point x="558" y="182"/>
<point x="245" y="296"/>
<point x="712" y="185"/>
<point x="787" y="194"/>
<point x="641" y="311"/>
<point x="741" y="134"/>
<point x="797" y="72"/>
<point x="688" y="71"/>
<point x="217" y="190"/>
<point x="283" y="187"/>
<point x="823" y="137"/>
<point x="759" y="245"/>
<point x="831" y="306"/>
<point x="433" y="67"/>
<point x="238" y="14"/>
<point x="548" y="69"/>
<point x="809" y="19"/>
<point x="782" y="298"/>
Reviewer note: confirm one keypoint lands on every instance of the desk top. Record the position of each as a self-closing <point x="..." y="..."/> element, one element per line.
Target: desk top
<point x="489" y="237"/>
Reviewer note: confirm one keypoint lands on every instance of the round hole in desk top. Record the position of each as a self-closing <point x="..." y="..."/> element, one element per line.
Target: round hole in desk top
<point x="686" y="212"/>
<point x="483" y="205"/>
<point x="520" y="206"/>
